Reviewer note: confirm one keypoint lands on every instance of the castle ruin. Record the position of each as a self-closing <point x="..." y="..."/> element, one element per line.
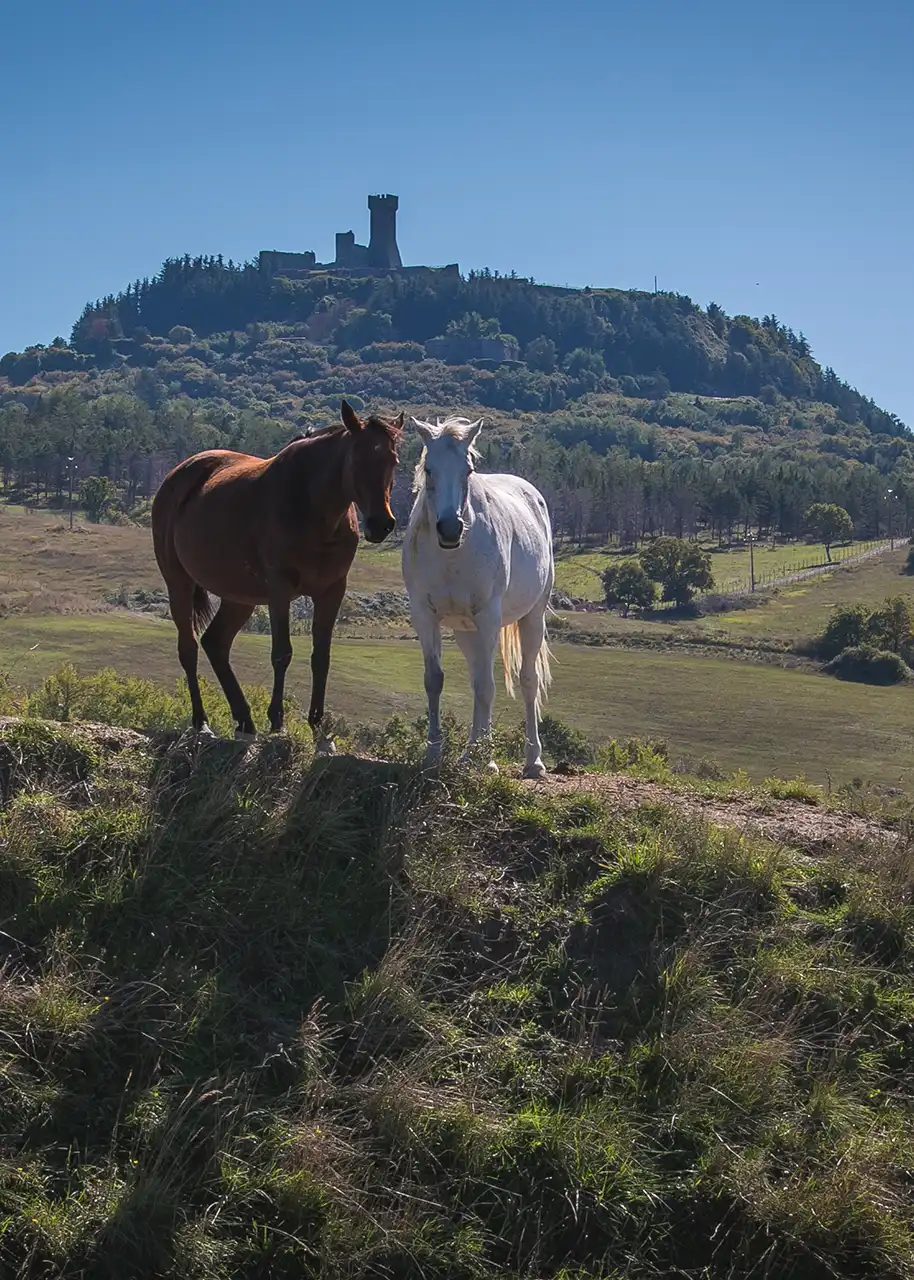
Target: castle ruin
<point x="380" y="256"/>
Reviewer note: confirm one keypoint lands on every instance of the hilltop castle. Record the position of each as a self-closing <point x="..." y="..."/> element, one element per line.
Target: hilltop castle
<point x="379" y="257"/>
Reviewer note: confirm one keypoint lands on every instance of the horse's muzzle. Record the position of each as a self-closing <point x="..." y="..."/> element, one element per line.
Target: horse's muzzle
<point x="449" y="531"/>
<point x="378" y="527"/>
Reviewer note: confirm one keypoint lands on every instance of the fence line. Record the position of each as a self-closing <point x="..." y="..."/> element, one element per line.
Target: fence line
<point x="795" y="570"/>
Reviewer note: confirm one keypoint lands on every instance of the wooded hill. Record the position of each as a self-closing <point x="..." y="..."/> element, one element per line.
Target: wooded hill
<point x="635" y="411"/>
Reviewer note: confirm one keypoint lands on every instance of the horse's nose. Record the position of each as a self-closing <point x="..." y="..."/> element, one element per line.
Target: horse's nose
<point x="450" y="531"/>
<point x="378" y="527"/>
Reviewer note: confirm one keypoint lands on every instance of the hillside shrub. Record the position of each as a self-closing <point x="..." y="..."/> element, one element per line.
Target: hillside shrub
<point x="845" y="629"/>
<point x="564" y="743"/>
<point x="868" y="665"/>
<point x="909" y="562"/>
<point x="889" y="627"/>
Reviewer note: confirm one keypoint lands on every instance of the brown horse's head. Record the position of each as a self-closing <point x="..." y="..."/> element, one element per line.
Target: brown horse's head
<point x="374" y="461"/>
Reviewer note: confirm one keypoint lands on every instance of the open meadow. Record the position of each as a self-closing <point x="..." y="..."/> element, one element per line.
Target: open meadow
<point x="754" y="715"/>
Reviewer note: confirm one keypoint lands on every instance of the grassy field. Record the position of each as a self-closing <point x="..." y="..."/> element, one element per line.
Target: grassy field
<point x="47" y="569"/>
<point x="797" y="610"/>
<point x="753" y="716"/>
<point x="758" y="717"/>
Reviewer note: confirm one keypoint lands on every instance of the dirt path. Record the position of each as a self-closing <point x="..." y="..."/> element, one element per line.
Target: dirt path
<point x="804" y="826"/>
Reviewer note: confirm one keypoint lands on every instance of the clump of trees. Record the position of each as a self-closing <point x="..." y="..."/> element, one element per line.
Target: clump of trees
<point x="828" y="523"/>
<point x="678" y="567"/>
<point x="875" y="646"/>
<point x="626" y="586"/>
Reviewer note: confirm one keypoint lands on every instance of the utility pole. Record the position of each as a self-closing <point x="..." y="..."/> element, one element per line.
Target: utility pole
<point x="751" y="564"/>
<point x="71" y="465"/>
<point x="890" y="496"/>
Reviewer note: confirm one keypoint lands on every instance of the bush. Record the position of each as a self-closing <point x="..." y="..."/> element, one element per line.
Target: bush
<point x="627" y="586"/>
<point x="180" y="334"/>
<point x="565" y="744"/>
<point x="909" y="563"/>
<point x="890" y="627"/>
<point x="845" y="629"/>
<point x="869" y="665"/>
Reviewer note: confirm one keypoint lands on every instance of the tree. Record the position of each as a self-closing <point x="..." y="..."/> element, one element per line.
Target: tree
<point x="626" y="585"/>
<point x="828" y="523"/>
<point x="97" y="495"/>
<point x="680" y="567"/>
<point x="891" y="626"/>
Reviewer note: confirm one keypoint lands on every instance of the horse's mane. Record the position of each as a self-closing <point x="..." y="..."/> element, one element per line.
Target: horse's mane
<point x="340" y="429"/>
<point x="452" y="426"/>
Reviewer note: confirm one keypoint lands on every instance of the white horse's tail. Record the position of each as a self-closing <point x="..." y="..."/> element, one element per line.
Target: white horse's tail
<point x="511" y="655"/>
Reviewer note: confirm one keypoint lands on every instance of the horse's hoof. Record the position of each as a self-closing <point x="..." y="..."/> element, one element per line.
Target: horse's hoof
<point x="326" y="747"/>
<point x="491" y="767"/>
<point x="244" y="737"/>
<point x="205" y="732"/>
<point x="535" y="770"/>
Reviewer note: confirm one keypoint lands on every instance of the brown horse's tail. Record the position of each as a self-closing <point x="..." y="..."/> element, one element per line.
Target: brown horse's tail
<point x="204" y="609"/>
<point x="178" y="488"/>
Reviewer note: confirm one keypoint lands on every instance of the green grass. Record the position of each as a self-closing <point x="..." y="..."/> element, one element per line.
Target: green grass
<point x="753" y="716"/>
<point x="263" y="1018"/>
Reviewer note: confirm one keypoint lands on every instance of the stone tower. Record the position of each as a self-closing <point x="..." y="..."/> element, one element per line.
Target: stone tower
<point x="382" y="246"/>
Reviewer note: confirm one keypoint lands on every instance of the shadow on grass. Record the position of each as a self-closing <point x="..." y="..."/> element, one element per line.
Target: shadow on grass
<point x="257" y="886"/>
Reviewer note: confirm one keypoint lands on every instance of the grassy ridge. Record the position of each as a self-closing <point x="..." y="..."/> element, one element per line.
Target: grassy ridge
<point x="268" y="1019"/>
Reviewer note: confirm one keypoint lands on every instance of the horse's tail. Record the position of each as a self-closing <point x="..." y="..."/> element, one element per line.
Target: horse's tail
<point x="178" y="488"/>
<point x="543" y="675"/>
<point x="204" y="609"/>
<point x="509" y="639"/>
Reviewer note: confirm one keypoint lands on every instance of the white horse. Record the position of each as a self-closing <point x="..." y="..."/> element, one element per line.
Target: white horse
<point x="477" y="557"/>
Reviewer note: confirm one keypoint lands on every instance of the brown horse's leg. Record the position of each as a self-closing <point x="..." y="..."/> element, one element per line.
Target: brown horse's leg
<point x="217" y="645"/>
<point x="282" y="655"/>
<point x="326" y="607"/>
<point x="181" y="605"/>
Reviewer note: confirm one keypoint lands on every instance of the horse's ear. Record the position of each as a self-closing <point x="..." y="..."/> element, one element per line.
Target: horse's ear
<point x="350" y="418"/>
<point x="473" y="431"/>
<point x="398" y="422"/>
<point x="426" y="431"/>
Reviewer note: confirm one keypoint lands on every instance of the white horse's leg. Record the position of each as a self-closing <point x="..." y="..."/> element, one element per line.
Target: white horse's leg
<point x="532" y="631"/>
<point x="428" y="629"/>
<point x="479" y="648"/>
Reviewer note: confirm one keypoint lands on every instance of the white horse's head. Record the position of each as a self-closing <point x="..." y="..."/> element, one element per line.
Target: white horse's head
<point x="444" y="472"/>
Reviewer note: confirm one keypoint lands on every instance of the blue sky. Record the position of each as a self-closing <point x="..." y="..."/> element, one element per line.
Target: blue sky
<point x="760" y="156"/>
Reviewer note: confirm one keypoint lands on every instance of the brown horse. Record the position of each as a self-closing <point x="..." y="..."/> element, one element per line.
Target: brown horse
<point x="265" y="531"/>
